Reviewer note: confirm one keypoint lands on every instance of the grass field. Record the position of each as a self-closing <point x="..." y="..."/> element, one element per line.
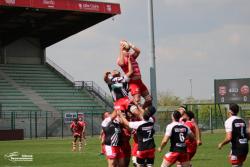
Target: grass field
<point x="57" y="153"/>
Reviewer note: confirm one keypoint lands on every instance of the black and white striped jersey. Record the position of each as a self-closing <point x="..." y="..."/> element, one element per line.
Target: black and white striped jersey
<point x="118" y="87"/>
<point x="238" y="128"/>
<point x="112" y="132"/>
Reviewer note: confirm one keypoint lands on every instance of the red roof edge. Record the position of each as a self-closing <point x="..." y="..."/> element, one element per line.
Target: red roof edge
<point x="70" y="5"/>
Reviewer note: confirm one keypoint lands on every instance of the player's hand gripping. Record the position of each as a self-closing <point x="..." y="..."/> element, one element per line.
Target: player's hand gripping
<point x="122" y="44"/>
<point x="159" y="149"/>
<point x="220" y="146"/>
<point x="199" y="143"/>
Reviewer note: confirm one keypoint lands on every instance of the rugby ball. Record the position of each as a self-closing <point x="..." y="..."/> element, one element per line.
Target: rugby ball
<point x="126" y="45"/>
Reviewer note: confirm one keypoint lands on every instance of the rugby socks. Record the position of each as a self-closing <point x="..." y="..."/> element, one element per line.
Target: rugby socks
<point x="80" y="146"/>
<point x="134" y="161"/>
<point x="73" y="146"/>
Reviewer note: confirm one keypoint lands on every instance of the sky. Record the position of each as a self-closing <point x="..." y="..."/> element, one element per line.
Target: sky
<point x="196" y="41"/>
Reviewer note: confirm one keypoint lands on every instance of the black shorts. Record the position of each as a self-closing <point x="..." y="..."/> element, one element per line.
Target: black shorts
<point x="145" y="161"/>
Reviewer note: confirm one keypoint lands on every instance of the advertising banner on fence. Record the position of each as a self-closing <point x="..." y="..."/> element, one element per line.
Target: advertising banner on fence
<point x="232" y="91"/>
<point x="68" y="117"/>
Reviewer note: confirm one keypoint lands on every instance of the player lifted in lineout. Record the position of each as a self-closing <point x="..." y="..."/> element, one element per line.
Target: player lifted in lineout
<point x="136" y="86"/>
<point x="118" y="86"/>
<point x="77" y="128"/>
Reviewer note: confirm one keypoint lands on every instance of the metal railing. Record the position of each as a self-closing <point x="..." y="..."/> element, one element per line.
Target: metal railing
<point x="90" y="86"/>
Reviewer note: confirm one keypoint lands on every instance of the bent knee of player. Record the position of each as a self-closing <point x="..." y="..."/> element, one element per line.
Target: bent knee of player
<point x="185" y="164"/>
<point x="165" y="163"/>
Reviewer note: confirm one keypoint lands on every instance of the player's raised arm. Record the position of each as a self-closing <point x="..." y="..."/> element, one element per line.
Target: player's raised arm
<point x="130" y="68"/>
<point x="137" y="51"/>
<point x="121" y="60"/>
<point x="109" y="119"/>
<point x="123" y="119"/>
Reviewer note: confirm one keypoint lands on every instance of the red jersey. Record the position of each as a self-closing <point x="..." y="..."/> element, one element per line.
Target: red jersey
<point x="77" y="128"/>
<point x="191" y="144"/>
<point x="135" y="65"/>
<point x="191" y="126"/>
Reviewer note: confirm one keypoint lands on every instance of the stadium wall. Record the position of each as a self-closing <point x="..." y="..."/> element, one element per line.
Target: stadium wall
<point x="23" y="51"/>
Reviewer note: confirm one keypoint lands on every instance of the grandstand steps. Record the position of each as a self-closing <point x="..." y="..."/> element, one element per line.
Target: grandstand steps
<point x="19" y="104"/>
<point x="52" y="98"/>
<point x="39" y="81"/>
<point x="29" y="79"/>
<point x="70" y="101"/>
<point x="11" y="94"/>
<point x="42" y="84"/>
<point x="87" y="104"/>
<point x="36" y="99"/>
<point x="29" y="90"/>
<point x="14" y="101"/>
<point x="2" y="97"/>
<point x="59" y="91"/>
<point x="9" y="90"/>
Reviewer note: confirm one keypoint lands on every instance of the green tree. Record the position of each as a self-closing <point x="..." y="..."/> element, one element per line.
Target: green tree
<point x="168" y="99"/>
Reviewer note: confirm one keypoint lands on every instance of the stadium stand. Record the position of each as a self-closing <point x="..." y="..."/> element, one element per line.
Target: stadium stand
<point x="45" y="82"/>
<point x="34" y="95"/>
<point x="12" y="99"/>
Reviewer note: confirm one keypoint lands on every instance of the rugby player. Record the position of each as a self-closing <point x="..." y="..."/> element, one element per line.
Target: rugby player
<point x="145" y="136"/>
<point x="77" y="130"/>
<point x="83" y="131"/>
<point x="113" y="140"/>
<point x="182" y="110"/>
<point x="191" y="144"/>
<point x="177" y="133"/>
<point x="137" y="88"/>
<point x="236" y="133"/>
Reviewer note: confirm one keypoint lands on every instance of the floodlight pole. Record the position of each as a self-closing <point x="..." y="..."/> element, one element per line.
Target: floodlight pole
<point x="152" y="53"/>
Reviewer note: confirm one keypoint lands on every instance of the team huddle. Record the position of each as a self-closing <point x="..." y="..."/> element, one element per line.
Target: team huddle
<point x="133" y="117"/>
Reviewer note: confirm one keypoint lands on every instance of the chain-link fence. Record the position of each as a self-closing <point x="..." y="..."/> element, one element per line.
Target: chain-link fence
<point x="208" y="116"/>
<point x="47" y="124"/>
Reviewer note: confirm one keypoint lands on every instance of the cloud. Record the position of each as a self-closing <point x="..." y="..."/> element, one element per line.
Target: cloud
<point x="220" y="53"/>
